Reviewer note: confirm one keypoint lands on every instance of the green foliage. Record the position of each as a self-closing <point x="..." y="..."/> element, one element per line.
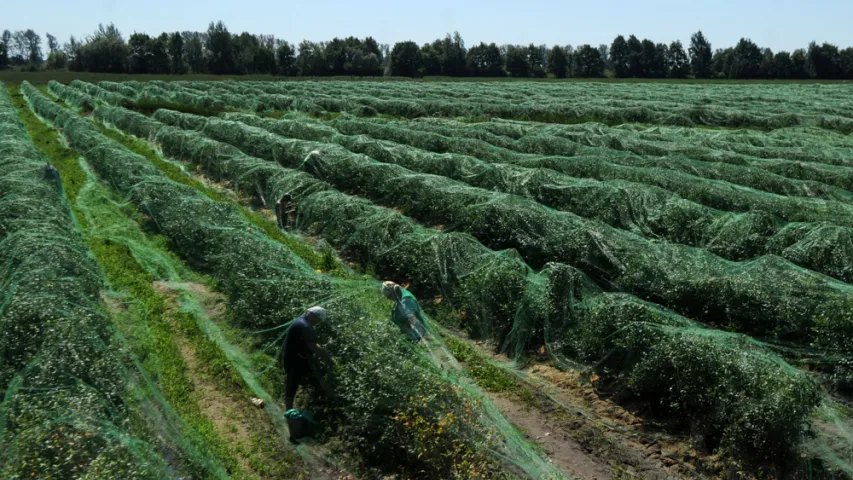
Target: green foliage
<point x="405" y="59"/>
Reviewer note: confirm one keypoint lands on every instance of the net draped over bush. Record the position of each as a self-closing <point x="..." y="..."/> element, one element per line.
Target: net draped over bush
<point x="506" y="300"/>
<point x="381" y="380"/>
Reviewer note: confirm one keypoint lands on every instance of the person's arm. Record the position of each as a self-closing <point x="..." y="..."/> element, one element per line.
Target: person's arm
<point x="320" y="352"/>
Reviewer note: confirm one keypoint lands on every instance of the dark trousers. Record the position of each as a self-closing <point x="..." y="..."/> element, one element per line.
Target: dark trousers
<point x="300" y="374"/>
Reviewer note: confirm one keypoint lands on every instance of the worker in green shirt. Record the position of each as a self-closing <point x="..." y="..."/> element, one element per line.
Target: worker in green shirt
<point x="406" y="314"/>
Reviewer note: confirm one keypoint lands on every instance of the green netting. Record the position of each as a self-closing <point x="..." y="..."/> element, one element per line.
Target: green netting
<point x="767" y="297"/>
<point x="619" y="146"/>
<point x="76" y="405"/>
<point x="383" y="382"/>
<point x="101" y="94"/>
<point x="646" y="210"/>
<point x="79" y="100"/>
<point x="628" y="339"/>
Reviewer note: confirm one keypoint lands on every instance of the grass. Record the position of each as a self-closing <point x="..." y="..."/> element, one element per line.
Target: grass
<point x="150" y="320"/>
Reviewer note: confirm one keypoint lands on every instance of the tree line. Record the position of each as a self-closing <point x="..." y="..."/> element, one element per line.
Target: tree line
<point x="220" y="52"/>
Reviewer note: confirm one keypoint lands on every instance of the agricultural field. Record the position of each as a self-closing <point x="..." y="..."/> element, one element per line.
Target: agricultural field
<point x="623" y="280"/>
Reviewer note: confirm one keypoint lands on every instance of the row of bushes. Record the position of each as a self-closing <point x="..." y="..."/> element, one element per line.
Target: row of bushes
<point x="783" y="177"/>
<point x="75" y="404"/>
<point x="631" y="342"/>
<point x="267" y="285"/>
<point x="646" y="210"/>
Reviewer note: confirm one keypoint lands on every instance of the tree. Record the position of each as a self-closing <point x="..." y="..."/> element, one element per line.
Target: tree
<point x="823" y="61"/>
<point x="286" y="56"/>
<point x="558" y="62"/>
<point x="588" y="62"/>
<point x="678" y="64"/>
<point x="431" y="58"/>
<point x="746" y="60"/>
<point x="767" y="69"/>
<point x="104" y="51"/>
<point x="845" y="63"/>
<point x="635" y="55"/>
<point x="311" y="58"/>
<point x="32" y="46"/>
<point x="604" y="49"/>
<point x="783" y="67"/>
<point x="244" y="47"/>
<point x="721" y="63"/>
<point x="176" y="53"/>
<point x="536" y="61"/>
<point x="194" y="52"/>
<point x="406" y="59"/>
<point x="649" y="60"/>
<point x="485" y="61"/>
<point x="220" y="51"/>
<point x="52" y="44"/>
<point x="6" y="38"/>
<point x="620" y="57"/>
<point x="516" y="61"/>
<point x="264" y="61"/>
<point x="140" y="53"/>
<point x="453" y="55"/>
<point x="18" y="48"/>
<point x="700" y="55"/>
<point x="57" y="60"/>
<point x="4" y="56"/>
<point x="799" y="64"/>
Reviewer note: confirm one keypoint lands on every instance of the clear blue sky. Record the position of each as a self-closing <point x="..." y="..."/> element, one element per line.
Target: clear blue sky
<point x="778" y="24"/>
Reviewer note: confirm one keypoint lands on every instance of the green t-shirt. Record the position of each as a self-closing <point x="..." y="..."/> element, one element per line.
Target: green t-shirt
<point x="403" y="309"/>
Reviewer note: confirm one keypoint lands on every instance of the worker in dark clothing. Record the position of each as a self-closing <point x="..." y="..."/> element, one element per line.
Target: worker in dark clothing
<point x="51" y="173"/>
<point x="285" y="212"/>
<point x="406" y="314"/>
<point x="300" y="346"/>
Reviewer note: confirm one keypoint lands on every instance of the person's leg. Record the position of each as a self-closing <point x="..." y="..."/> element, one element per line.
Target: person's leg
<point x="294" y="376"/>
<point x="319" y="383"/>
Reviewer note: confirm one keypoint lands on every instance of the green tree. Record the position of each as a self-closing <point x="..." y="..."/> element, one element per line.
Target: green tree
<point x="635" y="57"/>
<point x="648" y="59"/>
<point x="140" y="53"/>
<point x="194" y="52"/>
<point x="588" y="62"/>
<point x="536" y="60"/>
<point x="4" y="56"/>
<point x="845" y="63"/>
<point x="558" y="62"/>
<point x="783" y="67"/>
<point x="767" y="69"/>
<point x="700" y="55"/>
<point x="406" y="59"/>
<point x="160" y="63"/>
<point x="620" y="57"/>
<point x="286" y="57"/>
<point x="176" y="53"/>
<point x="52" y="44"/>
<point x="678" y="63"/>
<point x="431" y="58"/>
<point x="220" y="51"/>
<point x="721" y="63"/>
<point x="799" y="64"/>
<point x="104" y="52"/>
<point x="311" y="58"/>
<point x="33" y="47"/>
<point x="746" y="60"/>
<point x="516" y="61"/>
<point x="823" y="61"/>
<point x="453" y="55"/>
<point x="244" y="46"/>
<point x="264" y="61"/>
<point x="485" y="61"/>
<point x="57" y="60"/>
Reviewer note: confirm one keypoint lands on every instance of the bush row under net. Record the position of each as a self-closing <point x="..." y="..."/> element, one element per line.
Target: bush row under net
<point x="646" y="210"/>
<point x="631" y="342"/>
<point x="622" y="145"/>
<point x="75" y="403"/>
<point x="106" y="96"/>
<point x="767" y="297"/>
<point x="79" y="100"/>
<point x="378" y="374"/>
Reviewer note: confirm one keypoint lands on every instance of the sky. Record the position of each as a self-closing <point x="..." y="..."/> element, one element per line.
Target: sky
<point x="777" y="24"/>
